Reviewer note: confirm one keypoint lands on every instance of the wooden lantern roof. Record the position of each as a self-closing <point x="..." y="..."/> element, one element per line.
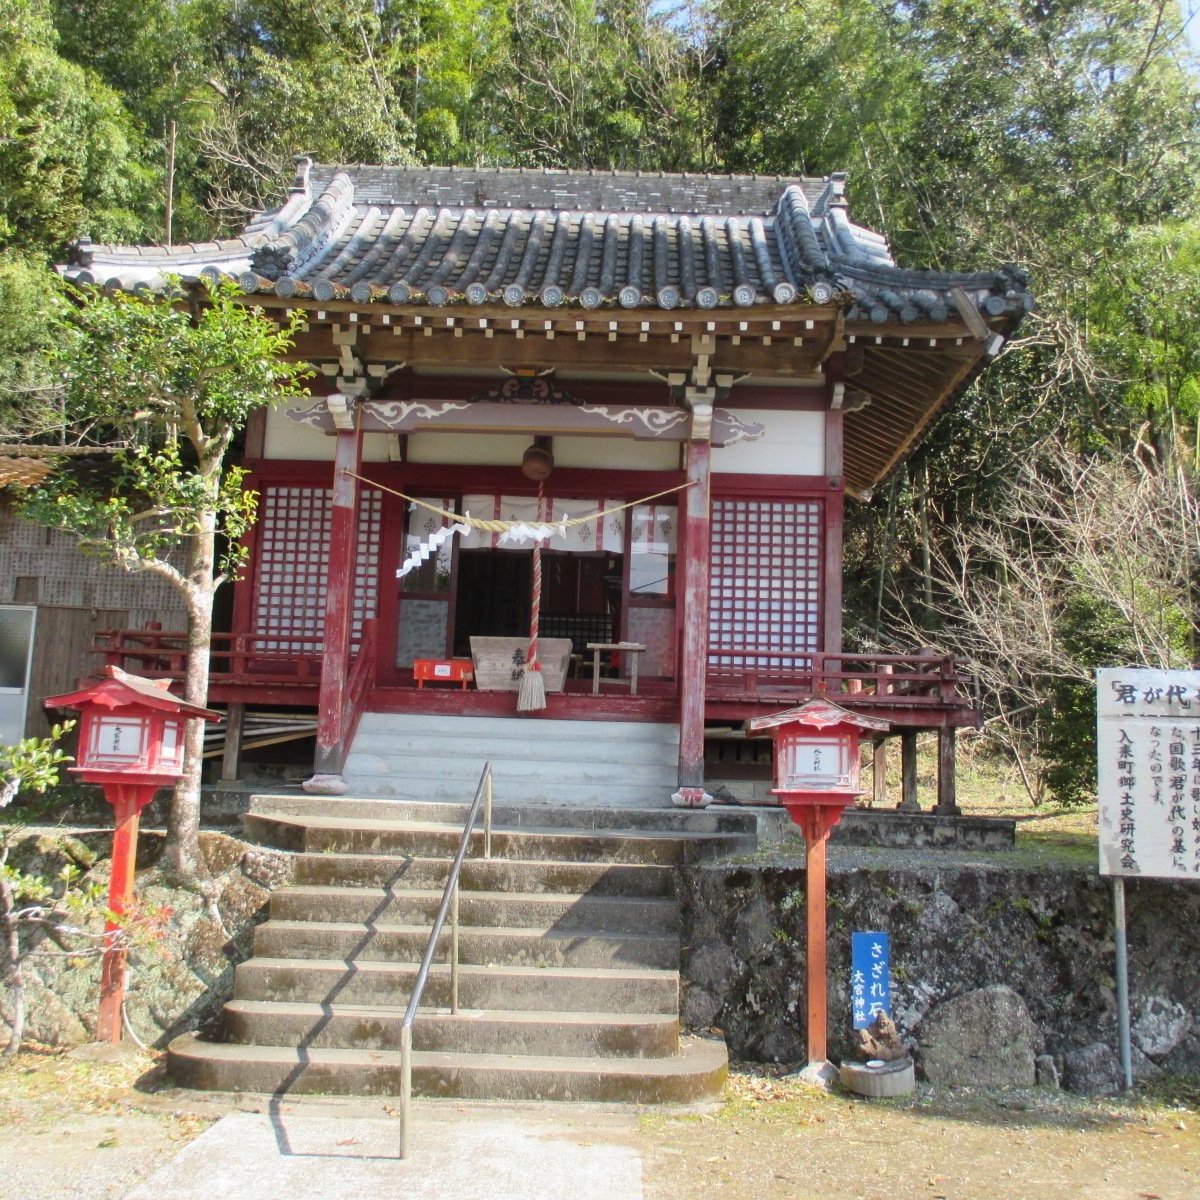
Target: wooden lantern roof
<point x="119" y="689"/>
<point x="770" y="273"/>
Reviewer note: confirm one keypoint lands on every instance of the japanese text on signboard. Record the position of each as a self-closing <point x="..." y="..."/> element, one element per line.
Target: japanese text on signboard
<point x="870" y="977"/>
<point x="1148" y="760"/>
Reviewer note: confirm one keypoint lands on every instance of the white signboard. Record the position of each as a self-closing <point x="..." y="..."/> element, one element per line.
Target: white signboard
<point x="1148" y="749"/>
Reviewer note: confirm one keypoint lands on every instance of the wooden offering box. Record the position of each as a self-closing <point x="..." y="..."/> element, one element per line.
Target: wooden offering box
<point x="443" y="670"/>
<point x="500" y="662"/>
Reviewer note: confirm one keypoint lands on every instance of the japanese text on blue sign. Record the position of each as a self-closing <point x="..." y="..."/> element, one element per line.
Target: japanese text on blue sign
<point x="870" y="977"/>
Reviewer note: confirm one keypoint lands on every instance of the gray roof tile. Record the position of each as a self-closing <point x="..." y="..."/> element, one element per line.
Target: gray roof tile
<point x="482" y="235"/>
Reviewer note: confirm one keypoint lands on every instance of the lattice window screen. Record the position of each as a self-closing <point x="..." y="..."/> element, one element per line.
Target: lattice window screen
<point x="765" y="583"/>
<point x="292" y="559"/>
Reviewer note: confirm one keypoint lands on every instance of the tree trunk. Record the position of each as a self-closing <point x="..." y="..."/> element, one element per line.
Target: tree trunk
<point x="183" y="825"/>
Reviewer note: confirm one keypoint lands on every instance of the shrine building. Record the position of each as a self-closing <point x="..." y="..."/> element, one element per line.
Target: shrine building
<point x="694" y="372"/>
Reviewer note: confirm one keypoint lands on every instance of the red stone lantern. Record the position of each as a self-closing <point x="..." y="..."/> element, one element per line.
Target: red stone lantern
<point x="816" y="780"/>
<point x="131" y="743"/>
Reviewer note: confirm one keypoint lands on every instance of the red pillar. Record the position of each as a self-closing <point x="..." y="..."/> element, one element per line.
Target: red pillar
<point x="127" y="805"/>
<point x="694" y="658"/>
<point x="817" y="822"/>
<point x="339" y="614"/>
<point x="831" y="634"/>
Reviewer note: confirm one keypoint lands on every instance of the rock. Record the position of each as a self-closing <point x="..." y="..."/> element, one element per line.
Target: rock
<point x="984" y="1038"/>
<point x="699" y="1007"/>
<point x="1093" y="1070"/>
<point x="817" y="1074"/>
<point x="780" y="1041"/>
<point x="1159" y="1026"/>
<point x="1144" y="1069"/>
<point x="1185" y="1058"/>
<point x="267" y="868"/>
<point x="1047" y="1071"/>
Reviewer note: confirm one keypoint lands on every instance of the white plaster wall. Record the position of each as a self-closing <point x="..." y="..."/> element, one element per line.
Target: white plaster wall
<point x="623" y="454"/>
<point x="794" y="444"/>
<point x="505" y="450"/>
<point x="287" y="439"/>
<point x="468" y="449"/>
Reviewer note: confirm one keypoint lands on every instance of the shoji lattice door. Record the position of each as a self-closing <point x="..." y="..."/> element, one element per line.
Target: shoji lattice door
<point x="765" y="586"/>
<point x="291" y="564"/>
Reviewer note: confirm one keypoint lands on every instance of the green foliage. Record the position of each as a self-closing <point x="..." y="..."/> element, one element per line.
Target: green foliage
<point x="30" y="300"/>
<point x="69" y="154"/>
<point x="32" y="764"/>
<point x="166" y="388"/>
<point x="33" y="906"/>
<point x="592" y="83"/>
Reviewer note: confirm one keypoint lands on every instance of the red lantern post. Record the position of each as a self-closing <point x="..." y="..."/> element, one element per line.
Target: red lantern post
<point x="816" y="779"/>
<point x="131" y="743"/>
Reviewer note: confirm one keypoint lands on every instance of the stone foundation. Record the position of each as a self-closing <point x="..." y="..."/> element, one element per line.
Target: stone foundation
<point x="1045" y="934"/>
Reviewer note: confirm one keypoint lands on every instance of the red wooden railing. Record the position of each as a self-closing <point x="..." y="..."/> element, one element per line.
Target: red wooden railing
<point x="916" y="681"/>
<point x="894" y="680"/>
<point x="359" y="682"/>
<point x="235" y="657"/>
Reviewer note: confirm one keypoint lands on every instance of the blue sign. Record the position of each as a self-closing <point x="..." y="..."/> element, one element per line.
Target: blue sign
<point x="870" y="977"/>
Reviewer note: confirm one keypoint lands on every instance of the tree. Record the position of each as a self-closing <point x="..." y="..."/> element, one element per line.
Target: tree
<point x="1086" y="563"/>
<point x="69" y="155"/>
<point x="593" y="83"/>
<point x="165" y="384"/>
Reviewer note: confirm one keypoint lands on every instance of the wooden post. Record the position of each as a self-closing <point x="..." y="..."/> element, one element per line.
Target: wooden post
<point x="339" y="612"/>
<point x="816" y="822"/>
<point x="831" y="599"/>
<point x="947" y="793"/>
<point x="908" y="772"/>
<point x="694" y="663"/>
<point x="879" y="757"/>
<point x="126" y="810"/>
<point x="816" y="952"/>
<point x="232" y="755"/>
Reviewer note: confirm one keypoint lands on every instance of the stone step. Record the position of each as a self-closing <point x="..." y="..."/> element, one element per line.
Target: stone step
<point x="561" y="989"/>
<point x="590" y="913"/>
<point x="534" y="760"/>
<point x="531" y="947"/>
<point x="510" y="735"/>
<point x="363" y="836"/>
<point x="488" y="875"/>
<point x="595" y="765"/>
<point x="714" y="819"/>
<point x="470" y="1031"/>
<point x="697" y="1072"/>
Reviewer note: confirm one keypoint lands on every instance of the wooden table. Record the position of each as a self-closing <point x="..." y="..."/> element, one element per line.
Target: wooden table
<point x="633" y="649"/>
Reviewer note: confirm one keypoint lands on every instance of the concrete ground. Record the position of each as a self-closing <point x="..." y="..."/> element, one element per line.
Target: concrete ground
<point x="316" y="1151"/>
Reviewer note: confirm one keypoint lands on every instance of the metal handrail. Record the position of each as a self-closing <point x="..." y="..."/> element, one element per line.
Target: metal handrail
<point x="449" y="904"/>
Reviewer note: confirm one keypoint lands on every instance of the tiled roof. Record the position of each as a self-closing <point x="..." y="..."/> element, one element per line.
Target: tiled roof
<point x="430" y="235"/>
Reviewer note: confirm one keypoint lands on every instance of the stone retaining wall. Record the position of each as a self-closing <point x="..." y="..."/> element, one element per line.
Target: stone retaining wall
<point x="1046" y="934"/>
